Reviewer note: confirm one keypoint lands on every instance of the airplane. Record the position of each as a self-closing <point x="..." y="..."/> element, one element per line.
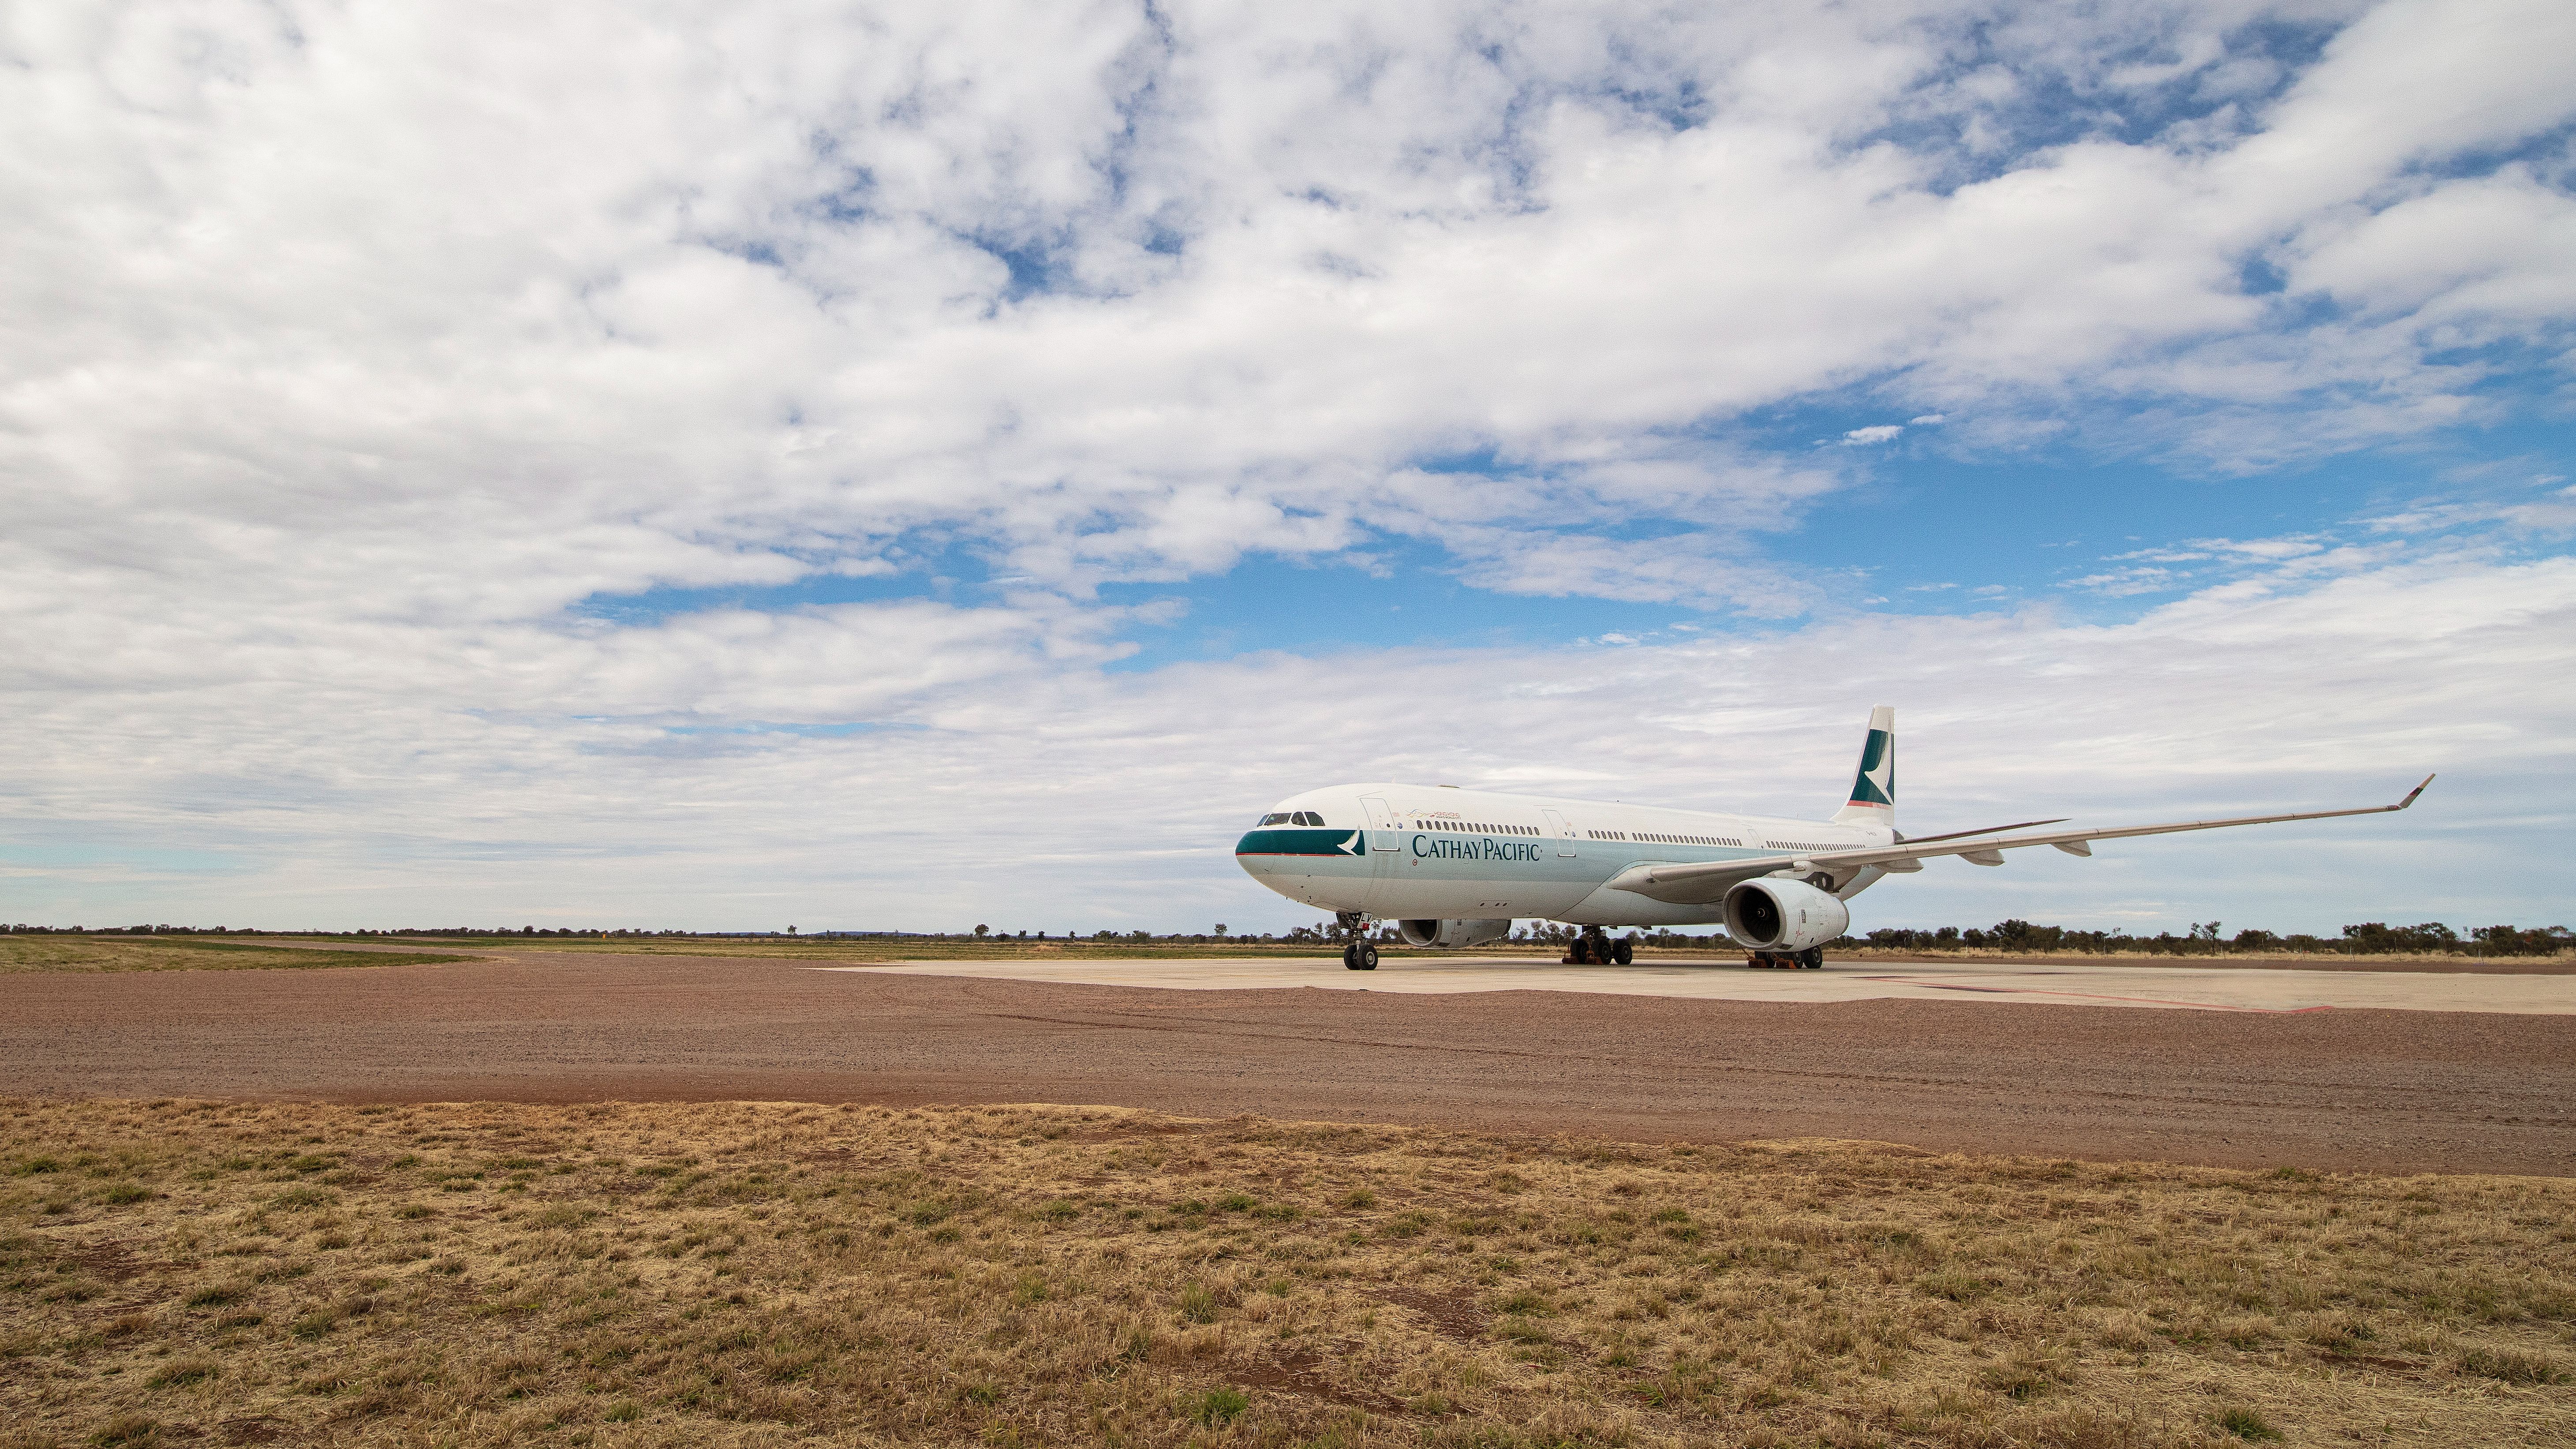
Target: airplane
<point x="1454" y="868"/>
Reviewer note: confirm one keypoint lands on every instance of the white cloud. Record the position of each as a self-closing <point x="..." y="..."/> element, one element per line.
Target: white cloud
<point x="1104" y="800"/>
<point x="729" y="278"/>
<point x="1864" y="437"/>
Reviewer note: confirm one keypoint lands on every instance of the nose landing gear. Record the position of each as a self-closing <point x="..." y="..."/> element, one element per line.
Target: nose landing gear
<point x="1358" y="953"/>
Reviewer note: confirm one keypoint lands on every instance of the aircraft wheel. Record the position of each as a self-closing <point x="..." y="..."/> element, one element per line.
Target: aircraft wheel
<point x="1368" y="956"/>
<point x="1351" y="956"/>
<point x="1624" y="951"/>
<point x="1813" y="958"/>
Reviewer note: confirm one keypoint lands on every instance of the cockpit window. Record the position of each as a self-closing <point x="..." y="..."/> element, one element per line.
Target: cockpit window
<point x="1275" y="817"/>
<point x="1309" y="817"/>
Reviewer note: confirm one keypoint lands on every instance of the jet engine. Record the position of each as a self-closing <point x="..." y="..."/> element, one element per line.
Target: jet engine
<point x="1774" y="914"/>
<point x="1452" y="933"/>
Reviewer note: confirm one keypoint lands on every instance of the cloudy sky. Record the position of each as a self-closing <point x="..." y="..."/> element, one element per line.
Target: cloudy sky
<point x="732" y="465"/>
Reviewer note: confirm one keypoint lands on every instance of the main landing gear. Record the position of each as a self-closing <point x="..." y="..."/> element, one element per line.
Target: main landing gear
<point x="1591" y="948"/>
<point x="1360" y="954"/>
<point x="1811" y="959"/>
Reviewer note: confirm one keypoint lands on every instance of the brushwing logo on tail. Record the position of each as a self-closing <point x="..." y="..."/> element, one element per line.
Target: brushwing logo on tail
<point x="1876" y="782"/>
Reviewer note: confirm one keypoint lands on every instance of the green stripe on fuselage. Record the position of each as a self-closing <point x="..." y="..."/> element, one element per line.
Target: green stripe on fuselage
<point x="1344" y="843"/>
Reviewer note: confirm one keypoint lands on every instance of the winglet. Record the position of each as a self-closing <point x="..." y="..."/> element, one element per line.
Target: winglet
<point x="2411" y="794"/>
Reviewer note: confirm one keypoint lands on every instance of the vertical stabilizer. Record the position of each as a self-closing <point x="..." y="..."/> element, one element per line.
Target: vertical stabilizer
<point x="1873" y="791"/>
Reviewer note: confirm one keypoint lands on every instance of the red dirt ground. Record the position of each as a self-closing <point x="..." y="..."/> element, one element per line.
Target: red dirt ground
<point x="2365" y="1090"/>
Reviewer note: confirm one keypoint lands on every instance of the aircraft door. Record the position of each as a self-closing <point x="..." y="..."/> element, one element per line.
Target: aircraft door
<point x="1382" y="824"/>
<point x="1385" y="838"/>
<point x="1563" y="832"/>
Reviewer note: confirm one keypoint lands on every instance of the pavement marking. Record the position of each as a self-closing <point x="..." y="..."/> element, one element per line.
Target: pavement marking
<point x="2178" y="988"/>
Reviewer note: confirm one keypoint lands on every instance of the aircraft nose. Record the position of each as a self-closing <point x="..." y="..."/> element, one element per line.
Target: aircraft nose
<point x="1255" y="865"/>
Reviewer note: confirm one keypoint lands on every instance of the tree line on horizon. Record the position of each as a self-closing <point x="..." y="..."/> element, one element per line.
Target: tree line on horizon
<point x="2370" y="938"/>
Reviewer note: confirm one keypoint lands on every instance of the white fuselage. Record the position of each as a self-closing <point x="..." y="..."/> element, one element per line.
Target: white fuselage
<point x="1401" y="852"/>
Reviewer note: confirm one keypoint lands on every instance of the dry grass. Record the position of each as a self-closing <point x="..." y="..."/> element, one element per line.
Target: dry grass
<point x="47" y="952"/>
<point x="754" y="1274"/>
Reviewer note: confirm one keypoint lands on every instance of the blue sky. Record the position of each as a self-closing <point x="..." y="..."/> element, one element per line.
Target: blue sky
<point x="735" y="466"/>
<point x="1923" y="526"/>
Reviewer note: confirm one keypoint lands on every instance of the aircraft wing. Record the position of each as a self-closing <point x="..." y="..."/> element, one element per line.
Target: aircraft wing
<point x="1706" y="881"/>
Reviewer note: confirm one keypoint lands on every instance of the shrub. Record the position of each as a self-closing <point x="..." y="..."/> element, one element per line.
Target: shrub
<point x="1408" y="1225"/>
<point x="1218" y="1407"/>
<point x="2246" y="1424"/>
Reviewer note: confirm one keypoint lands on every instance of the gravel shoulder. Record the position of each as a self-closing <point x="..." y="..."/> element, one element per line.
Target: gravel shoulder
<point x="2348" y="1090"/>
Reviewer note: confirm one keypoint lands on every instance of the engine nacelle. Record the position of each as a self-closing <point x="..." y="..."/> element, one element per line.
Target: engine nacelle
<point x="1774" y="914"/>
<point x="1452" y="933"/>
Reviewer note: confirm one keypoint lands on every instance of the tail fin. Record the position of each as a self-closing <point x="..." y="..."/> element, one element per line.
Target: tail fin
<point x="1873" y="791"/>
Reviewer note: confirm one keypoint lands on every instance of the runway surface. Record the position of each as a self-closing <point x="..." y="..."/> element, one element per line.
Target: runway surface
<point x="2208" y="988"/>
<point x="2399" y="1091"/>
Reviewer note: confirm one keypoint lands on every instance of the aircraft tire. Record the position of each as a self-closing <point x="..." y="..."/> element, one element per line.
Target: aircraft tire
<point x="1368" y="956"/>
<point x="1351" y="957"/>
<point x="1624" y="952"/>
<point x="1581" y="954"/>
<point x="1813" y="958"/>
